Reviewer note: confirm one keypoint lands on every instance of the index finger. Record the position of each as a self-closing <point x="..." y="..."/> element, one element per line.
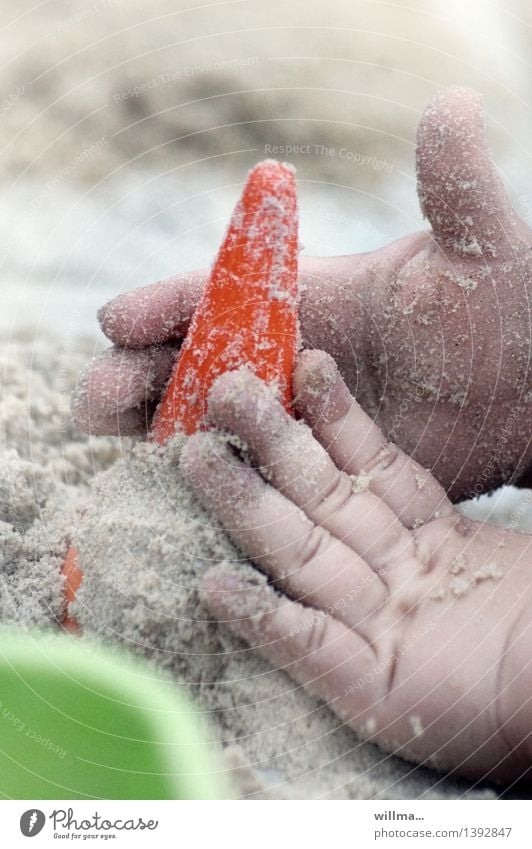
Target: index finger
<point x="358" y="446"/>
<point x="152" y="314"/>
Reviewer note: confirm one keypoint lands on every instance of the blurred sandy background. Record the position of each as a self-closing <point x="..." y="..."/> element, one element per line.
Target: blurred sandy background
<point x="127" y="127"/>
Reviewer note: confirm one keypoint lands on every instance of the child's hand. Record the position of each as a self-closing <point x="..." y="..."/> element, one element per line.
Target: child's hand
<point x="432" y="332"/>
<point x="407" y="619"/>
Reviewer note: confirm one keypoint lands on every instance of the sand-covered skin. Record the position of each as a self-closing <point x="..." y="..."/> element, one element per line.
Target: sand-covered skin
<point x="146" y="544"/>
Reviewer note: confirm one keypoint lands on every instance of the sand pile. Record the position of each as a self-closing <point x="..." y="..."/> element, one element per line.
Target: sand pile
<point x="44" y="471"/>
<point x="145" y="544"/>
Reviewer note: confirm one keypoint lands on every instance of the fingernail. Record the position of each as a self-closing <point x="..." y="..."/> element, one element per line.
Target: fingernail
<point x="320" y="390"/>
<point x="240" y="402"/>
<point x="231" y="385"/>
<point x="102" y="312"/>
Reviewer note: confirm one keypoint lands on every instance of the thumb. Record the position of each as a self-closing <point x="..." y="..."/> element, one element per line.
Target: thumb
<point x="459" y="189"/>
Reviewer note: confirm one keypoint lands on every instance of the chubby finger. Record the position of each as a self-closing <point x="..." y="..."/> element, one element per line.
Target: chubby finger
<point x="162" y="311"/>
<point x="459" y="189"/>
<point x="153" y="314"/>
<point x="295" y="462"/>
<point x="359" y="447"/>
<point x="313" y="647"/>
<point x="305" y="560"/>
<point x="118" y="391"/>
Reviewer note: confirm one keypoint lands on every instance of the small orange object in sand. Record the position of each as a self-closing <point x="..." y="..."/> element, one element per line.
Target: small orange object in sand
<point x="73" y="577"/>
<point x="247" y="315"/>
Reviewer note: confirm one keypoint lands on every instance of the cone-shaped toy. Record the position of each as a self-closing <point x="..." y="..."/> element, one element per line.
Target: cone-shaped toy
<point x="247" y="314"/>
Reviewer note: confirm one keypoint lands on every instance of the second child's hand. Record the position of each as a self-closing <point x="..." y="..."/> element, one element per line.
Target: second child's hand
<point x="410" y="621"/>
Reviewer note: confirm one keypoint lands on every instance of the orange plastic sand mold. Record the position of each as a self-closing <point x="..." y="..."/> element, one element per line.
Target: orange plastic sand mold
<point x="73" y="578"/>
<point x="247" y="314"/>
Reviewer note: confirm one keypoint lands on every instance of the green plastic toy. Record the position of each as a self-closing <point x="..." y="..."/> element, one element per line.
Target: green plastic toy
<point x="80" y="722"/>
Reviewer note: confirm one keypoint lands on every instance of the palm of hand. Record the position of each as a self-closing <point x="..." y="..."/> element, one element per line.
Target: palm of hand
<point x="433" y="333"/>
<point x="451" y="364"/>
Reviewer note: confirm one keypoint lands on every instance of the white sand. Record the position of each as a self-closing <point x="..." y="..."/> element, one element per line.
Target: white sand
<point x="44" y="470"/>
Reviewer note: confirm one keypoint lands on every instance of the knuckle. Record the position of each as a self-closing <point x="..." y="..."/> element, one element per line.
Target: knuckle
<point x="387" y="460"/>
<point x="311" y="547"/>
<point x="315" y="637"/>
<point x="335" y="495"/>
